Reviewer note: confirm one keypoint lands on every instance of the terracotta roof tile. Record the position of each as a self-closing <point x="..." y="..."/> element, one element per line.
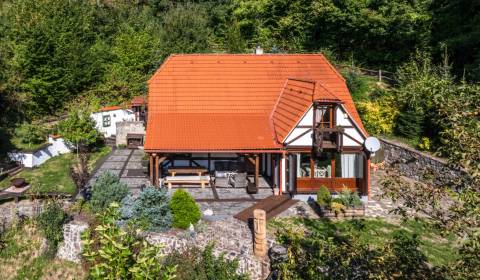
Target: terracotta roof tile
<point x="110" y="108"/>
<point x="217" y="85"/>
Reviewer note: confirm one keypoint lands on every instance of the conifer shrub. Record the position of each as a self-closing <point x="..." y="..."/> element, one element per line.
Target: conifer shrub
<point x="409" y="123"/>
<point x="323" y="197"/>
<point x="152" y="208"/>
<point x="107" y="189"/>
<point x="184" y="209"/>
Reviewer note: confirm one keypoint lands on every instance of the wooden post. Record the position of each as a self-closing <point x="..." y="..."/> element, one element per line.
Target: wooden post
<point x="152" y="180"/>
<point x="259" y="232"/>
<point x="157" y="169"/>
<point x="380" y="75"/>
<point x="257" y="168"/>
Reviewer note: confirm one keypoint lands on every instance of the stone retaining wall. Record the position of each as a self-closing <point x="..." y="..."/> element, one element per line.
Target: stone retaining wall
<point x="230" y="236"/>
<point x="416" y="165"/>
<point x="71" y="247"/>
<point x="25" y="208"/>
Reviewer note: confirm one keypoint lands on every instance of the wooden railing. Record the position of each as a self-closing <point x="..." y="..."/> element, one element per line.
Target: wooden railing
<point x="328" y="138"/>
<point x="309" y="185"/>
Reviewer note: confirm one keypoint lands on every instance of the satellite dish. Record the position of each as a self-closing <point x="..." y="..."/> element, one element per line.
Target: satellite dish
<point x="372" y="144"/>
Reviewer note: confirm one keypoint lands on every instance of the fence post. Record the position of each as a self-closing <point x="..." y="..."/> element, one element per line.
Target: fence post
<point x="380" y="75"/>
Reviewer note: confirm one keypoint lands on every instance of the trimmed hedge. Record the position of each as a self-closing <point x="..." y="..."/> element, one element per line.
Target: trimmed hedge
<point x="184" y="209"/>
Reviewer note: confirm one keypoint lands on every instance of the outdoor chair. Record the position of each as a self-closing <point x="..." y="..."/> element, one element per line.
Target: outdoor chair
<point x="238" y="180"/>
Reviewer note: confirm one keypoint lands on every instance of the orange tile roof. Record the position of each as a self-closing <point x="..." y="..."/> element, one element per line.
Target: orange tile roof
<point x="110" y="108"/>
<point x="183" y="132"/>
<point x="238" y="86"/>
<point x="138" y="100"/>
<point x="295" y="99"/>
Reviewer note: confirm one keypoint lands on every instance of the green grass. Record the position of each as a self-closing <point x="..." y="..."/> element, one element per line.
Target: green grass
<point x="439" y="250"/>
<point x="54" y="174"/>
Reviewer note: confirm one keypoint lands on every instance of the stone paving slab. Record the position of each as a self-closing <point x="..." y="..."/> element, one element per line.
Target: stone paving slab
<point x="134" y="165"/>
<point x="121" y="152"/>
<point x="117" y="158"/>
<point x="197" y="193"/>
<point x="223" y="210"/>
<point x="112" y="165"/>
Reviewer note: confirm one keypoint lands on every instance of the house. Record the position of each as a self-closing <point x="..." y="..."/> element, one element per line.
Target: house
<point x="125" y="124"/>
<point x="289" y="116"/>
<point x="106" y="119"/>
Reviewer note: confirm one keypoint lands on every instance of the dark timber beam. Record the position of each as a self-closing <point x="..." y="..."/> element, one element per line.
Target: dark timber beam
<point x="257" y="170"/>
<point x="152" y="175"/>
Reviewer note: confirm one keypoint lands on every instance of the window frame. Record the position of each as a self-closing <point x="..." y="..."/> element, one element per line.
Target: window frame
<point x="106" y="120"/>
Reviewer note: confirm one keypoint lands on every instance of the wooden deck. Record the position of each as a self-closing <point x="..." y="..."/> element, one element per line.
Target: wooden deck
<point x="273" y="205"/>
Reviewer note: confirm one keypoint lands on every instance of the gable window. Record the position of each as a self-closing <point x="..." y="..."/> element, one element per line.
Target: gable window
<point x="106" y="121"/>
<point x="324" y="116"/>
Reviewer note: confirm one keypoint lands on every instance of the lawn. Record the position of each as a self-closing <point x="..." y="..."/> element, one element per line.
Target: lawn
<point x="54" y="174"/>
<point x="439" y="250"/>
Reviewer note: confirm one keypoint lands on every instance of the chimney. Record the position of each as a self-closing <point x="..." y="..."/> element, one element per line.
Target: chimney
<point x="258" y="50"/>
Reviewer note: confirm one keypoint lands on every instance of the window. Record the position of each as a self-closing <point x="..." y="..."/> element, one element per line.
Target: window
<point x="106" y="121"/>
<point x="303" y="166"/>
<point x="349" y="166"/>
<point x="323" y="166"/>
<point x="324" y="116"/>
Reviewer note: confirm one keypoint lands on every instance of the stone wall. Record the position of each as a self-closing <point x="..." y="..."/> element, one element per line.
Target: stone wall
<point x="126" y="127"/>
<point x="417" y="165"/>
<point x="25" y="208"/>
<point x="229" y="236"/>
<point x="71" y="247"/>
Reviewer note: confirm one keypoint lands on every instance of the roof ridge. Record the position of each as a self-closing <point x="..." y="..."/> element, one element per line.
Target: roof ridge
<point x="244" y="54"/>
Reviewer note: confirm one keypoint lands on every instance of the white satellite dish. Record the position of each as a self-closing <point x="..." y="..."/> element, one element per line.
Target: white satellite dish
<point x="372" y="144"/>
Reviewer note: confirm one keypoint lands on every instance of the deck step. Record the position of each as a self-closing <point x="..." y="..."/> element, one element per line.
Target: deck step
<point x="273" y="205"/>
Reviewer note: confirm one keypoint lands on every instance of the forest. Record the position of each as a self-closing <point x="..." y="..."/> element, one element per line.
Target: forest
<point x="56" y="53"/>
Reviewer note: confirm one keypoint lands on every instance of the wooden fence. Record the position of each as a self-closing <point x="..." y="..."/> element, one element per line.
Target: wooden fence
<point x="381" y="75"/>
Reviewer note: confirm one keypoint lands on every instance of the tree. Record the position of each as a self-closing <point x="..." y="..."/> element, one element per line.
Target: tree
<point x="53" y="56"/>
<point x="185" y="29"/>
<point x="29" y="134"/>
<point x="79" y="130"/>
<point x="135" y="54"/>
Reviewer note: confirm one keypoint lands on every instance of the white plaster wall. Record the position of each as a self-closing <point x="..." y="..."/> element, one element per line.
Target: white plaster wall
<point x="32" y="159"/>
<point x="342" y="119"/>
<point x="115" y="116"/>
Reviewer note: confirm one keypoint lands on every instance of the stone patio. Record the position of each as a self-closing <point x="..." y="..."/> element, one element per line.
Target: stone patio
<point x="222" y="200"/>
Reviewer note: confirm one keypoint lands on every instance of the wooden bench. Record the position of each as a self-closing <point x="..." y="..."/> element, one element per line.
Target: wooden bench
<point x="202" y="180"/>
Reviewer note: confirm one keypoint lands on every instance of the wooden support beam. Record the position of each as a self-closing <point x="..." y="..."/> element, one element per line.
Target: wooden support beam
<point x="152" y="180"/>
<point x="257" y="170"/>
<point x="157" y="171"/>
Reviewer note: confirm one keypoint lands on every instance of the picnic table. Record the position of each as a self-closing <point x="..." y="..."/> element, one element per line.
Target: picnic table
<point x="198" y="178"/>
<point x="187" y="170"/>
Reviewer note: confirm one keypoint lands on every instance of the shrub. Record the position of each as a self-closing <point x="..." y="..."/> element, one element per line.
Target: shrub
<point x="184" y="209"/>
<point x="324" y="197"/>
<point x="107" y="189"/>
<point x="152" y="206"/>
<point x="50" y="222"/>
<point x="424" y="144"/>
<point x="30" y="134"/>
<point x="409" y="123"/>
<point x="113" y="253"/>
<point x="193" y="264"/>
<point x="349" y="199"/>
<point x="379" y="115"/>
<point x="337" y="208"/>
